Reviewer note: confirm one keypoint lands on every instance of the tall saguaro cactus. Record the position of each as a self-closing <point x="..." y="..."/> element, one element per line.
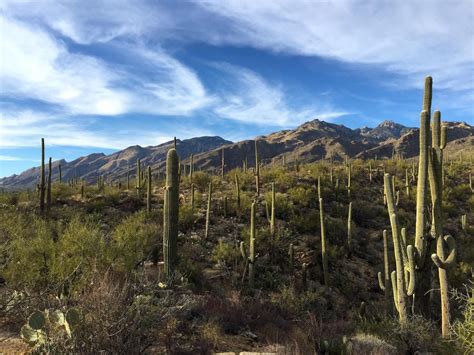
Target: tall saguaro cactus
<point x="42" y="177"/>
<point x="272" y="218"/>
<point x="384" y="282"/>
<point x="403" y="278"/>
<point x="257" y="169"/>
<point x="48" y="195"/>
<point x="138" y="178"/>
<point x="148" y="191"/>
<point x="222" y="163"/>
<point x="171" y="213"/>
<point x="443" y="262"/>
<point x="349" y="230"/>
<point x="324" y="251"/>
<point x="237" y="190"/>
<point x="191" y="168"/>
<point x="252" y="247"/>
<point x="208" y="212"/>
<point x="60" y="173"/>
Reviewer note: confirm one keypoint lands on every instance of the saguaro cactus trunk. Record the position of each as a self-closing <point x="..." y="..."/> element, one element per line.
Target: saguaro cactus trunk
<point x="324" y="251"/>
<point x="48" y="195"/>
<point x="171" y="213"/>
<point x="148" y="192"/>
<point x="42" y="178"/>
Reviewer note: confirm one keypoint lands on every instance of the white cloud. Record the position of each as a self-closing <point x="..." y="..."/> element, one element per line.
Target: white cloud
<point x="40" y="66"/>
<point x="15" y="158"/>
<point x="26" y="128"/>
<point x="35" y="65"/>
<point x="251" y="99"/>
<point x="412" y="38"/>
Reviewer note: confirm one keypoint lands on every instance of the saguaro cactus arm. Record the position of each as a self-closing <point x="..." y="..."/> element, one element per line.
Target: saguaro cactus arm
<point x="450" y="260"/>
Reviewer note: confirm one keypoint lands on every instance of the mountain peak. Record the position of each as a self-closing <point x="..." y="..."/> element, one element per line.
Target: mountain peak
<point x="390" y="124"/>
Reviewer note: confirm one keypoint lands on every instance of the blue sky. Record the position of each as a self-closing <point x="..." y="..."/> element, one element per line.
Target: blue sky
<point x="98" y="76"/>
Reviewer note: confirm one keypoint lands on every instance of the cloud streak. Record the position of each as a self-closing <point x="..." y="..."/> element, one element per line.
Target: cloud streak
<point x="251" y="99"/>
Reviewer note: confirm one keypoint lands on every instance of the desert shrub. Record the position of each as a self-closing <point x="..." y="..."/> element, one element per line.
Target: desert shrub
<point x="134" y="241"/>
<point x="123" y="317"/>
<point x="201" y="180"/>
<point x="463" y="328"/>
<point x="302" y="196"/>
<point x="305" y="221"/>
<point x="187" y="218"/>
<point x="225" y="253"/>
<point x="418" y="334"/>
<point x="370" y="345"/>
<point x="211" y="333"/>
<point x="31" y="252"/>
<point x="290" y="301"/>
<point x="283" y="205"/>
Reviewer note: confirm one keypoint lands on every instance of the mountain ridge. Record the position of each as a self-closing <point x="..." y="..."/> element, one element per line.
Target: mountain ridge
<point x="310" y="141"/>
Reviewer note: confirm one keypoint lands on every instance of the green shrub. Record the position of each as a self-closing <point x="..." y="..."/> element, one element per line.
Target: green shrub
<point x="134" y="241"/>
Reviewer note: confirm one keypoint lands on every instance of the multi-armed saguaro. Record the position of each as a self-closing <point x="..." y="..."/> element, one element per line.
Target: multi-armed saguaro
<point x="171" y="213"/>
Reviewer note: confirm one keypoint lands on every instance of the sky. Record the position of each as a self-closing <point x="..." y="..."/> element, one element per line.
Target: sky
<point x="99" y="76"/>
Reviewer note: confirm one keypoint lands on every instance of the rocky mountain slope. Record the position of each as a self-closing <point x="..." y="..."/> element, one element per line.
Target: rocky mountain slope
<point x="309" y="142"/>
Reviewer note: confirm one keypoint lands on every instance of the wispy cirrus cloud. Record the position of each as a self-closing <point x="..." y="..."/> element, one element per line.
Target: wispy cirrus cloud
<point x="411" y="38"/>
<point x="15" y="158"/>
<point x="249" y="98"/>
<point x="83" y="84"/>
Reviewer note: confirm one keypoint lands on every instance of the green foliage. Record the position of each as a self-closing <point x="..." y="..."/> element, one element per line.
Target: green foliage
<point x="133" y="241"/>
<point x="201" y="180"/>
<point x="225" y="253"/>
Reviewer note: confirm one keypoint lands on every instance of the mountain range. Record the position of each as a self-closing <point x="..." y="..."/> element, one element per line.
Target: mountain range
<point x="311" y="141"/>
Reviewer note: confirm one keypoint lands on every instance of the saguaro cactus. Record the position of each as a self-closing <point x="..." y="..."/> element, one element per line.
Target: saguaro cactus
<point x="138" y="178"/>
<point x="222" y="163"/>
<point x="291" y="254"/>
<point x="128" y="180"/>
<point x="443" y="263"/>
<point x="370" y="171"/>
<point x="324" y="247"/>
<point x="436" y="188"/>
<point x="208" y="212"/>
<point x="349" y="230"/>
<point x="42" y="178"/>
<point x="252" y="247"/>
<point x="191" y="168"/>
<point x="237" y="190"/>
<point x="403" y="279"/>
<point x="257" y="169"/>
<point x="349" y="173"/>
<point x="463" y="222"/>
<point x="171" y="213"/>
<point x="60" y="173"/>
<point x="272" y="217"/>
<point x="148" y="190"/>
<point x="384" y="282"/>
<point x="407" y="184"/>
<point x="48" y="195"/>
